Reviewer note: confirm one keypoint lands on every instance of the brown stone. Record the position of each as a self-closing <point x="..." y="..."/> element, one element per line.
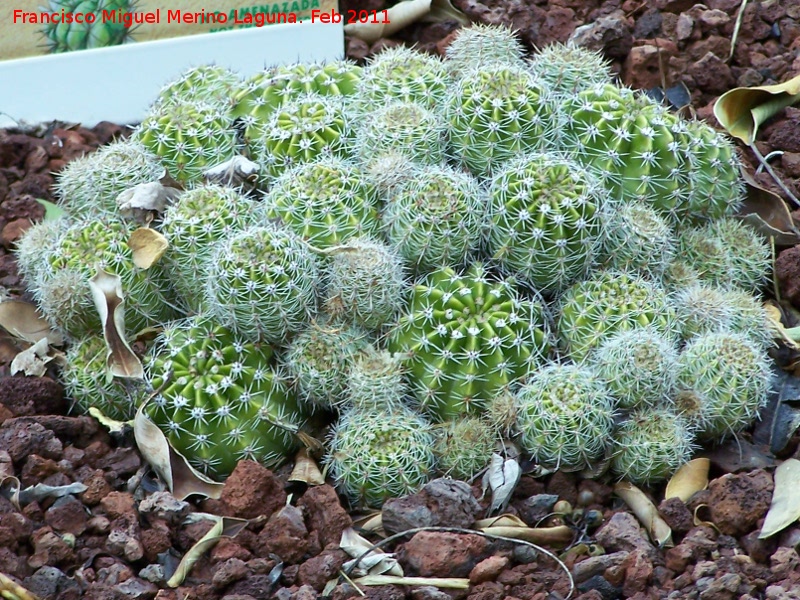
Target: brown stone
<point x="324" y="514"/>
<point x="643" y="68"/>
<point x="712" y="74"/>
<point x="442" y="554"/>
<point x="488" y="569"/>
<point x="118" y="504"/>
<point x="676" y="515"/>
<point x="638" y="569"/>
<point x="440" y="503"/>
<point x="316" y="571"/>
<point x="252" y="490"/>
<point x="739" y="500"/>
<point x="26" y="396"/>
<point x="623" y="532"/>
<point x="284" y="535"/>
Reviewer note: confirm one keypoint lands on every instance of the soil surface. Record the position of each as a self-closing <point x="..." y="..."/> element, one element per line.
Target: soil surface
<point x="122" y="537"/>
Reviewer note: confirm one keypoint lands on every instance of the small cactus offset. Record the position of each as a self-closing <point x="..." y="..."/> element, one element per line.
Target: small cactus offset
<point x="402" y="74"/>
<point x="568" y="68"/>
<point x="304" y="130"/>
<point x="609" y="302"/>
<point x="219" y="399"/>
<point x="189" y="137"/>
<point x="565" y="415"/>
<point x="375" y="455"/>
<point x="434" y="217"/>
<point x="494" y="114"/>
<point x="200" y="219"/>
<point x="723" y="380"/>
<point x="319" y="360"/>
<point x="325" y="202"/>
<point x="262" y="283"/>
<point x="365" y="283"/>
<point x="650" y="445"/>
<point x="407" y="128"/>
<point x="464" y="447"/>
<point x="203" y="83"/>
<point x="375" y="381"/>
<point x="466" y="338"/>
<point x="89" y="185"/>
<point x="87" y="384"/>
<point x="34" y="248"/>
<point x="261" y="95"/>
<point x="547" y="215"/>
<point x="638" y="367"/>
<point x="480" y="45"/>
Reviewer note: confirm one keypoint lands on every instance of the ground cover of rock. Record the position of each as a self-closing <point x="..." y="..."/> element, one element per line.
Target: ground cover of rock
<point x="122" y="536"/>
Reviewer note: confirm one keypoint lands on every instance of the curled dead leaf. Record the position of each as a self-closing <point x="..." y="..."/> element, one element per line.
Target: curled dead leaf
<point x="785" y="506"/>
<point x="402" y="15"/>
<point x="452" y="583"/>
<point x="742" y="110"/>
<point x="24" y="321"/>
<point x="689" y="479"/>
<point x="14" y="591"/>
<point x="147" y="246"/>
<point x="560" y="535"/>
<point x="305" y="469"/>
<point x="33" y="361"/>
<point x="767" y="213"/>
<point x="181" y="478"/>
<point x="110" y="303"/>
<point x="646" y="512"/>
<point x="140" y="201"/>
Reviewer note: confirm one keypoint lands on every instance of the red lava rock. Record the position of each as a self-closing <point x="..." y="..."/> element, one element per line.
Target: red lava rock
<point x="489" y="590"/>
<point x="738" y="501"/>
<point x="441" y="502"/>
<point x="26" y="396"/>
<point x="757" y="549"/>
<point x="442" y="554"/>
<point x="67" y="515"/>
<point x="21" y="438"/>
<point x="164" y="506"/>
<point x="356" y="49"/>
<point x="597" y="565"/>
<point x="676" y="515"/>
<point x="227" y="548"/>
<point x="155" y="540"/>
<point x="118" y="504"/>
<point x="97" y="487"/>
<point x="324" y="514"/>
<point x="488" y="569"/>
<point x="610" y="34"/>
<point x="783" y="134"/>
<point x="252" y="490"/>
<point x="14" y="529"/>
<point x="784" y="562"/>
<point x="623" y="532"/>
<point x="790" y="161"/>
<point x="124" y="538"/>
<point x="316" y="571"/>
<point x="787" y="271"/>
<point x="13" y="230"/>
<point x="49" y="549"/>
<point x="36" y="469"/>
<point x="643" y="68"/>
<point x="122" y="462"/>
<point x="696" y="545"/>
<point x="638" y="569"/>
<point x="712" y="74"/>
<point x="284" y="535"/>
<point x="229" y="571"/>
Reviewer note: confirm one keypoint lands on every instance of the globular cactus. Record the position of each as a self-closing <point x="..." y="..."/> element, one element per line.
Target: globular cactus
<point x="464" y="447"/>
<point x="262" y="94"/>
<point x="67" y="35"/>
<point x="375" y="381"/>
<point x="434" y="217"/>
<point x="319" y="360"/>
<point x="702" y="309"/>
<point x="728" y="253"/>
<point x="194" y="225"/>
<point x="650" y="445"/>
<point x="188" y="137"/>
<point x="565" y="416"/>
<point x="480" y="45"/>
<point x="203" y="83"/>
<point x="34" y="248"/>
<point x="365" y="283"/>
<point x="325" y="202"/>
<point x="304" y="130"/>
<point x="466" y="338"/>
<point x="630" y="141"/>
<point x="638" y="367"/>
<point x="218" y="398"/>
<point x="547" y="215"/>
<point x="609" y="302"/>
<point x="86" y="382"/>
<point x="639" y="240"/>
<point x="679" y="273"/>
<point x="89" y="185"/>
<point x="501" y="414"/>
<point x="83" y="248"/>
<point x="262" y="283"/>
<point x="374" y="455"/>
<point x="403" y="74"/>
<point x="494" y="114"/>
<point x="715" y="187"/>
<point x="723" y="381"/>
<point x="408" y="128"/>
<point x="568" y="68"/>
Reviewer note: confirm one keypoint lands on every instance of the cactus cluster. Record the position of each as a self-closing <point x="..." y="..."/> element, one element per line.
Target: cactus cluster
<point x="430" y="257"/>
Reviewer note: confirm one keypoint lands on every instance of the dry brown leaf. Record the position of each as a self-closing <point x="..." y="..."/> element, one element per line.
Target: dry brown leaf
<point x="505" y="520"/>
<point x="305" y="469"/>
<point x="742" y="110"/>
<point x="561" y="535"/>
<point x="399" y="16"/>
<point x="147" y="246"/>
<point x="775" y="318"/>
<point x="110" y="303"/>
<point x="452" y="583"/>
<point x="697" y="520"/>
<point x="181" y="479"/>
<point x="33" y="361"/>
<point x="646" y="512"/>
<point x="767" y="213"/>
<point x="223" y="527"/>
<point x="785" y="506"/>
<point x="24" y="321"/>
<point x="689" y="479"/>
<point x="371" y="561"/>
<point x="144" y="199"/>
<point x="14" y="591"/>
